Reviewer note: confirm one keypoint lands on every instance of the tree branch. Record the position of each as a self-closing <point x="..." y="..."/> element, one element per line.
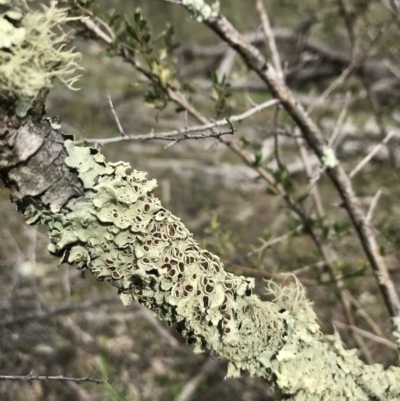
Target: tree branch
<point x="116" y="228"/>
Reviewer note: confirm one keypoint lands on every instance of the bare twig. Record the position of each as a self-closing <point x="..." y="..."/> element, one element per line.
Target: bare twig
<point x="187" y="132"/>
<point x="372" y="207"/>
<point x="378" y="114"/>
<point x="30" y="378"/>
<point x="161" y="331"/>
<point x="373" y="152"/>
<point x="191" y="386"/>
<point x="328" y="253"/>
<point x="266" y="26"/>
<point x="268" y="244"/>
<point x="363" y="313"/>
<point x="332" y="87"/>
<point x="120" y="129"/>
<point x="366" y="334"/>
<point x="337" y="131"/>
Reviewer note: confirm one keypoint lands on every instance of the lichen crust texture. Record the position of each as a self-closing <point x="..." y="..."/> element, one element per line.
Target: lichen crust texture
<point x="121" y="233"/>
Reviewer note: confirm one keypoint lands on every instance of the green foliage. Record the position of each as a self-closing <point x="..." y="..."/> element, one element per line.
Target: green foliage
<point x="134" y="36"/>
<point x="222" y="93"/>
<point x="257" y="158"/>
<point x="283" y="177"/>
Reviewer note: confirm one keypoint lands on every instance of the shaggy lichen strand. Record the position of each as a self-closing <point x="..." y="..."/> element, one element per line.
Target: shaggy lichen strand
<point x="32" y="52"/>
<point x="122" y="234"/>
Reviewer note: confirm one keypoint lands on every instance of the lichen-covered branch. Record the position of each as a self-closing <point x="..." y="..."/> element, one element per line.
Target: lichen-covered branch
<point x="120" y="232"/>
<point x="107" y="221"/>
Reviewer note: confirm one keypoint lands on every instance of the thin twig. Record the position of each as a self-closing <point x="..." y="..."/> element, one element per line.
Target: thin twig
<point x="331" y="88"/>
<point x="328" y="253"/>
<point x="120" y="129"/>
<point x="268" y="244"/>
<point x="337" y="130"/>
<point x="187" y="132"/>
<point x="372" y="207"/>
<point x="373" y="152"/>
<point x="271" y="43"/>
<point x="30" y="378"/>
<point x="159" y="328"/>
<point x="367" y="334"/>
<point x="192" y="385"/>
<point x="363" y="313"/>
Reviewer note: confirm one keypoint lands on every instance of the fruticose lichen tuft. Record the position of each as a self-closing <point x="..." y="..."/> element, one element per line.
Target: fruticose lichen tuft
<point x="293" y="298"/>
<point x="33" y="51"/>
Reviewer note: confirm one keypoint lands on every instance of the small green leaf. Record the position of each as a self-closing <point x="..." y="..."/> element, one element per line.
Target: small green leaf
<point x="271" y="191"/>
<point x="257" y="158"/>
<point x="137" y="15"/>
<point x="244" y="143"/>
<point x="302" y="198"/>
<point x="266" y="234"/>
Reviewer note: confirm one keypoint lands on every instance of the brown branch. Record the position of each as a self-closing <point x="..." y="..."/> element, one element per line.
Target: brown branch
<point x="335" y="61"/>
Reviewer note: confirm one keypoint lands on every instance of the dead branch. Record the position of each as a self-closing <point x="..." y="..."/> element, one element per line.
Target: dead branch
<point x="30" y="378"/>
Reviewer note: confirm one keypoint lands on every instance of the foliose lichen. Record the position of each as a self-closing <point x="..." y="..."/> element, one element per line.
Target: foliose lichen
<point x="33" y="51"/>
<point x="121" y="233"/>
<point x="200" y="10"/>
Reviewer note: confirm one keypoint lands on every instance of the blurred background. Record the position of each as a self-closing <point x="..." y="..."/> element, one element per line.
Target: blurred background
<point x="341" y="59"/>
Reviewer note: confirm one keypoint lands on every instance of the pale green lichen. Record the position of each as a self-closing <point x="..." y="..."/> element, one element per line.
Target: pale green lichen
<point x="121" y="233"/>
<point x="200" y="10"/>
<point x="396" y="330"/>
<point x="329" y="159"/>
<point x="33" y="52"/>
<point x="293" y="298"/>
